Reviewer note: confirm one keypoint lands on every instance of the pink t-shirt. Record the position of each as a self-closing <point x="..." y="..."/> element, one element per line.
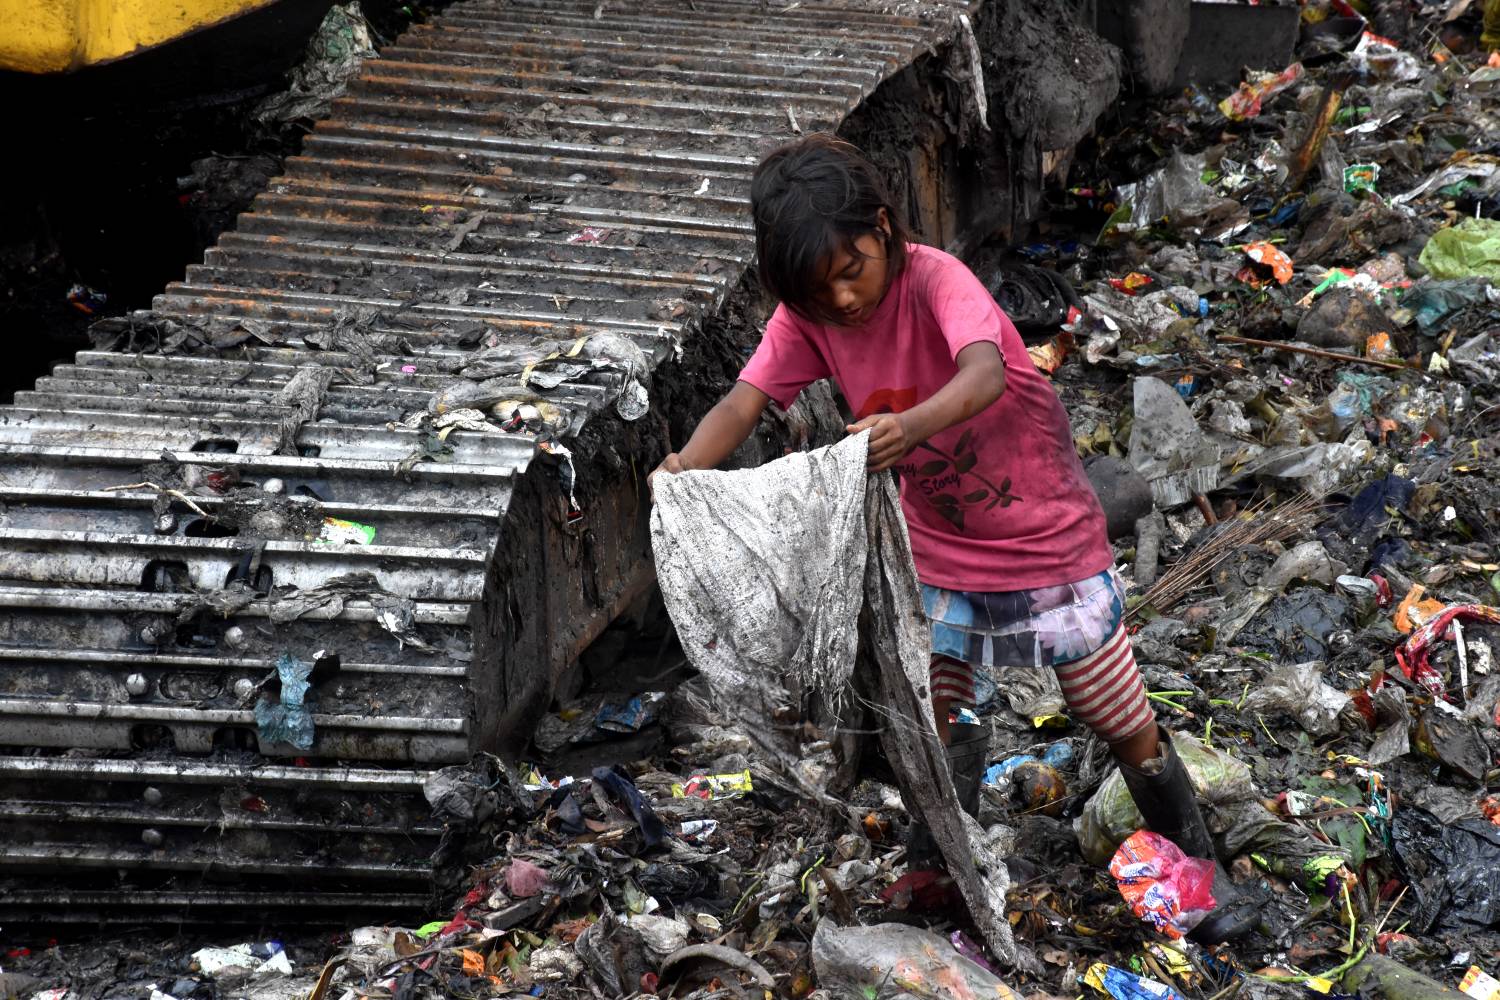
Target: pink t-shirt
<point x="998" y="502"/>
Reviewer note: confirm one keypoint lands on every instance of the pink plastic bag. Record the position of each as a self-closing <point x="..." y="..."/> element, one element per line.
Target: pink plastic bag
<point x="1164" y="887"/>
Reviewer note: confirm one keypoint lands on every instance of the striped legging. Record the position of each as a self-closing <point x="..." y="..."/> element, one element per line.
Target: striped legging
<point x="1103" y="690"/>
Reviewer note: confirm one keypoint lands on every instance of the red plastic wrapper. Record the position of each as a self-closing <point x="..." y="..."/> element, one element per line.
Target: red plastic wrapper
<point x="1164" y="887"/>
<point x="1413" y="654"/>
<point x="924" y="891"/>
<point x="1131" y="283"/>
<point x="1246" y="102"/>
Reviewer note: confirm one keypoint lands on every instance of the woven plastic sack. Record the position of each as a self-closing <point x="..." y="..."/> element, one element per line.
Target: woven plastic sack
<point x="798" y="574"/>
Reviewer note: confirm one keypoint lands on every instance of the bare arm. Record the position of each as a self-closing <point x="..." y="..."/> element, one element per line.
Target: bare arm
<point x="723" y="429"/>
<point x="979" y="382"/>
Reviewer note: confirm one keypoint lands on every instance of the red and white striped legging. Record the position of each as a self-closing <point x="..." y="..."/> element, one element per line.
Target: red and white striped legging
<point x="1103" y="690"/>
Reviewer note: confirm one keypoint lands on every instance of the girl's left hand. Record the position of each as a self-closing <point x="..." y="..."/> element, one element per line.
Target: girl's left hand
<point x="890" y="439"/>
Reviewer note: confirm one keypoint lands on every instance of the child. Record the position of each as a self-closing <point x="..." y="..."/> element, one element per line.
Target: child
<point x="1007" y="535"/>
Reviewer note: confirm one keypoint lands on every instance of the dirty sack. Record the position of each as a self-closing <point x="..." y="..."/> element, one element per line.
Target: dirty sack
<point x="798" y="575"/>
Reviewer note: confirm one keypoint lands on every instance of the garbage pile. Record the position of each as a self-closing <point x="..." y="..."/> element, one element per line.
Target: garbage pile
<point x="1277" y="333"/>
<point x="1282" y="373"/>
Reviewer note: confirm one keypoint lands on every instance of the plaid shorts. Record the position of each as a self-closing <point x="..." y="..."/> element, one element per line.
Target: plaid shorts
<point x="1043" y="627"/>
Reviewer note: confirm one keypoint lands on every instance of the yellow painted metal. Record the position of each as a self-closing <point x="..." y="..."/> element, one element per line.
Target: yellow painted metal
<point x="52" y="36"/>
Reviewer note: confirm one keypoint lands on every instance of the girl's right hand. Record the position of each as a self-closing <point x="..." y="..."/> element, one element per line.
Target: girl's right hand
<point x="891" y="439"/>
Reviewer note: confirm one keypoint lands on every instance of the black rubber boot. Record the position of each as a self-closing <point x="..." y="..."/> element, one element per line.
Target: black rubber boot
<point x="968" y="752"/>
<point x="1163" y="793"/>
<point x="921" y="848"/>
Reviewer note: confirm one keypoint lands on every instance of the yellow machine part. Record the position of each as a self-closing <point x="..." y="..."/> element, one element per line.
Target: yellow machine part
<point x="52" y="36"/>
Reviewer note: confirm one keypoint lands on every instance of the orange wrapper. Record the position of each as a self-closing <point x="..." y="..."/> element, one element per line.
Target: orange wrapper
<point x="1267" y="255"/>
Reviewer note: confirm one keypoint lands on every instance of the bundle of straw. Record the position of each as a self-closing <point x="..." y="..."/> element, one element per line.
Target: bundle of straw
<point x="1261" y="522"/>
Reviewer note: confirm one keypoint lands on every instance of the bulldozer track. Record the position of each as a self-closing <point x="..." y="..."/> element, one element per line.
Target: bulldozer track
<point x="512" y="180"/>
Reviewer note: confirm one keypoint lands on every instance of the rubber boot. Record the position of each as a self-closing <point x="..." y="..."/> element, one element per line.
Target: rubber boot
<point x="968" y="751"/>
<point x="1163" y="793"/>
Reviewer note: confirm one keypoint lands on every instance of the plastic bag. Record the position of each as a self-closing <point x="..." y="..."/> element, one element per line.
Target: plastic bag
<point x="1247" y="101"/>
<point x="1164" y="887"/>
<point x="1434" y="301"/>
<point x="1033" y="693"/>
<point x="1298" y="690"/>
<point x="1232" y="809"/>
<point x="1454" y="741"/>
<point x="1454" y="868"/>
<point x="1307" y="561"/>
<point x="1176" y="193"/>
<point x="1318" y="468"/>
<point x="1168" y="447"/>
<point x="287" y="720"/>
<point x="910" y="958"/>
<point x="334" y="56"/>
<point x="1124" y="985"/>
<point x="1383" y="59"/>
<point x="1413" y="655"/>
<point x="1140" y="318"/>
<point x="1271" y="257"/>
<point x="1470" y="249"/>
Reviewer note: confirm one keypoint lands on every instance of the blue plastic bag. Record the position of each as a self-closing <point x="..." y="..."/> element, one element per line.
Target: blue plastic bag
<point x="288" y="721"/>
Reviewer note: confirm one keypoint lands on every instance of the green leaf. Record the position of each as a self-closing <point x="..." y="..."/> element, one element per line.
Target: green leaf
<point x="1349" y="834"/>
<point x="965" y="462"/>
<point x="976" y="496"/>
<point x="1005" y="485"/>
<point x="933" y="468"/>
<point x="963" y="441"/>
<point x="945" y="501"/>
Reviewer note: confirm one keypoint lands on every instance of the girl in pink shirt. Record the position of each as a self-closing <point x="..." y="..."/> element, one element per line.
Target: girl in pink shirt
<point x="1007" y="535"/>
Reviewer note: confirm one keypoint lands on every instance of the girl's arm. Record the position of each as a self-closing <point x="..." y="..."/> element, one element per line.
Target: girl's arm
<point x="979" y="382"/>
<point x="721" y="431"/>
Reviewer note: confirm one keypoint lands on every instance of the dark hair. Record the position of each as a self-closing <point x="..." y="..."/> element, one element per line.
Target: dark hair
<point x="808" y="198"/>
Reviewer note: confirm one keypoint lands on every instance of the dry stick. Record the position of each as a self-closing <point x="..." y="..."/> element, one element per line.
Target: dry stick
<point x="1314" y="352"/>
<point x="1394" y="903"/>
<point x="1257" y="527"/>
<point x="161" y="489"/>
<point x="1206" y="509"/>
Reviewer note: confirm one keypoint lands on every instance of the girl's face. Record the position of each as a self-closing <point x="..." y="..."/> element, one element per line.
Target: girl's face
<point x="855" y="282"/>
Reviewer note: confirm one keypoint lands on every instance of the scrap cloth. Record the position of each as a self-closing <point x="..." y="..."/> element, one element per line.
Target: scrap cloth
<point x="798" y="576"/>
